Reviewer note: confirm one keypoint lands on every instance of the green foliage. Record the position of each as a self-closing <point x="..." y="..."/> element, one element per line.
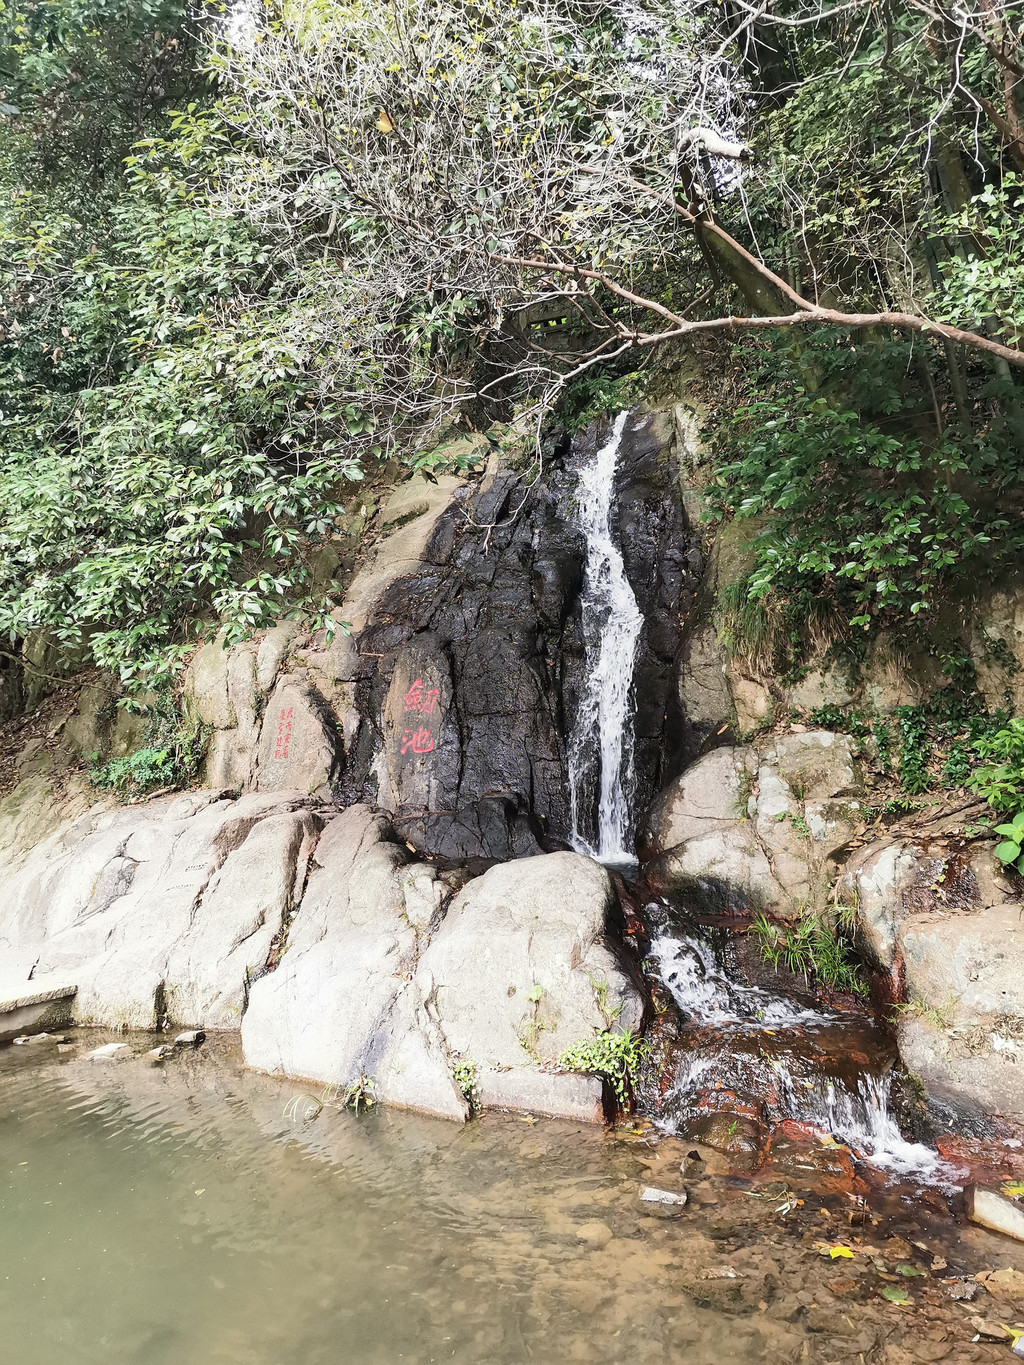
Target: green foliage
<point x="855" y="516"/>
<point x="915" y="749"/>
<point x="983" y="282"/>
<point x="1001" y="780"/>
<point x="464" y="1074"/>
<point x="819" y="946"/>
<point x="597" y="393"/>
<point x="609" y="1012"/>
<point x="615" y="1057"/>
<point x="83" y="79"/>
<point x="201" y="345"/>
<point x="797" y="823"/>
<point x="170" y="756"/>
<point x="949" y="733"/>
<point x="361" y="1094"/>
<point x="895" y="808"/>
<point x="1011" y="850"/>
<point x="170" y="451"/>
<point x="850" y="722"/>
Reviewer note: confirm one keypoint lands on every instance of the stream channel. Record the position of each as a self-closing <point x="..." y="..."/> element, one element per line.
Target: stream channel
<point x="191" y="1212"/>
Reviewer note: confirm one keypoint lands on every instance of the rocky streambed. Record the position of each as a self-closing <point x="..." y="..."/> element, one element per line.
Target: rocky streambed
<point x="293" y="1230"/>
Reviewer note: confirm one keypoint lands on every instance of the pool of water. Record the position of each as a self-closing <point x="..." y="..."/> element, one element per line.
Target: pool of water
<point x="188" y="1212"/>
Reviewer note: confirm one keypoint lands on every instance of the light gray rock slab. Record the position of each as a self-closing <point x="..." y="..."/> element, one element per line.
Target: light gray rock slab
<point x="245" y="905"/>
<point x="969" y="964"/>
<point x="342" y="1004"/>
<point x="977" y="1069"/>
<point x="206" y="686"/>
<point x="516" y="969"/>
<point x="298" y="743"/>
<point x="271" y="653"/>
<point x="115" y="902"/>
<point x="33" y="1006"/>
<point x="723" y="863"/>
<point x="712" y="792"/>
<point x="760" y="825"/>
<point x="563" y="1095"/>
<point x="993" y="1210"/>
<point x="824" y="686"/>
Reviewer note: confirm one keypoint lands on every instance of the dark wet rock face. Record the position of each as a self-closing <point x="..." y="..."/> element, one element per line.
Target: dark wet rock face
<point x="474" y="664"/>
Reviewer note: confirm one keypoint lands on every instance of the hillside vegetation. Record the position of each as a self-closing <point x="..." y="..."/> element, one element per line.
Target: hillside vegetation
<point x="246" y="253"/>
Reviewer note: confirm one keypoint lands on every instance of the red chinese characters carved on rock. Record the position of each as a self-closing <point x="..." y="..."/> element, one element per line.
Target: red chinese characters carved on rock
<point x="420" y="741"/>
<point x="284" y="732"/>
<point x="421" y="699"/>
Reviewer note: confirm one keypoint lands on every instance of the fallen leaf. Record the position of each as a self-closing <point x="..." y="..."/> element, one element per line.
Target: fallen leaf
<point x="835" y="1250"/>
<point x="1013" y="1189"/>
<point x="907" y="1269"/>
<point x="842" y="1287"/>
<point x="384" y="123"/>
<point x="202" y="1191"/>
<point x="963" y="1291"/>
<point x="896" y="1295"/>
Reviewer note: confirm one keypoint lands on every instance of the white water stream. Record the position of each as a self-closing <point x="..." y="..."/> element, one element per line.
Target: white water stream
<point x="599" y="763"/>
<point x="858" y="1114"/>
<point x="602" y="739"/>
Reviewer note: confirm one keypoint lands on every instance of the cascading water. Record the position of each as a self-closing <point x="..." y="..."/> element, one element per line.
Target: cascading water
<point x="789" y="1060"/>
<point x="601" y="744"/>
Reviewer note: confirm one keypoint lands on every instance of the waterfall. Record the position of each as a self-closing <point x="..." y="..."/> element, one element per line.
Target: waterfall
<point x="601" y="745"/>
<point x="756" y="1043"/>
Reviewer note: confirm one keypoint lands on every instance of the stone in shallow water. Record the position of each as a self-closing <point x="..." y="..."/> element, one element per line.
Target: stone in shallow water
<point x="993" y="1210"/>
<point x="963" y="1291"/>
<point x="661" y="1203"/>
<point x="596" y="1233"/>
<point x="107" y="1050"/>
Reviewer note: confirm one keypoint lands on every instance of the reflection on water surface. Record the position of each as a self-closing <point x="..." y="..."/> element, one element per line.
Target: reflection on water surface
<point x="177" y="1214"/>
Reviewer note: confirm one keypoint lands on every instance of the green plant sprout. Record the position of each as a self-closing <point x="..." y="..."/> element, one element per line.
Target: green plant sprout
<point x="615" y="1057"/>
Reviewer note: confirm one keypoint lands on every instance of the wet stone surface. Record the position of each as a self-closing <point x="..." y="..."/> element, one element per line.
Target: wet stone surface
<point x="472" y="763"/>
<point x="190" y="1210"/>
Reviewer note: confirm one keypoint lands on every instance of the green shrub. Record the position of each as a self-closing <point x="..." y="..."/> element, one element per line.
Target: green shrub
<point x="615" y="1057"/>
<point x="464" y="1075"/>
<point x="859" y="516"/>
<point x="832" y="717"/>
<point x="361" y="1094"/>
<point x="1010" y="850"/>
<point x="171" y="755"/>
<point x="1001" y="781"/>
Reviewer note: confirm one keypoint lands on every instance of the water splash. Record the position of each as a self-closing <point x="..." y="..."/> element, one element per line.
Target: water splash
<point x="758" y="1043"/>
<point x="612" y="622"/>
<point x="705" y="994"/>
<point x="862" y="1119"/>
